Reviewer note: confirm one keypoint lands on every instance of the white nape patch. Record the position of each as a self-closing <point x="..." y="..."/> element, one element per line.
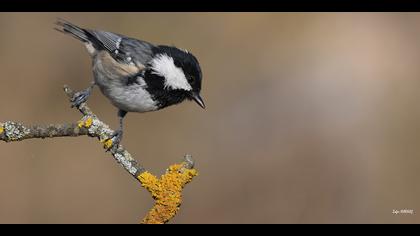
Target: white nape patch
<point x="164" y="66"/>
<point x="118" y="43"/>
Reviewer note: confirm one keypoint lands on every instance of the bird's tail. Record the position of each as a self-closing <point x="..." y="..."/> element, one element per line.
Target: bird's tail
<point x="72" y="29"/>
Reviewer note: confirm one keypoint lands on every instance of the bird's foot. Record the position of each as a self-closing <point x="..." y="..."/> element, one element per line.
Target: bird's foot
<point x="80" y="97"/>
<point x="114" y="141"/>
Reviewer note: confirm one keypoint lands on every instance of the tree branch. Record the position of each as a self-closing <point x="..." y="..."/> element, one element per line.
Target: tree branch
<point x="166" y="190"/>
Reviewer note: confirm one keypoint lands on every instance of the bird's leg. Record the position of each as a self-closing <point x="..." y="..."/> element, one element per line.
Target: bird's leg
<point x="118" y="134"/>
<point x="82" y="96"/>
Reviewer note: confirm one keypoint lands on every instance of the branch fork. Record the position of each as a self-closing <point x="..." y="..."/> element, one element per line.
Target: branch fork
<point x="166" y="190"/>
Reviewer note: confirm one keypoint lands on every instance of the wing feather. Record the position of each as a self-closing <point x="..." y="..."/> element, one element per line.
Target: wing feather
<point x="124" y="49"/>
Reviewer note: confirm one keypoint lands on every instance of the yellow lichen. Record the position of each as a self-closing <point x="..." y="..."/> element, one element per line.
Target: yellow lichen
<point x="166" y="191"/>
<point x="87" y="122"/>
<point x="1" y="129"/>
<point x="107" y="143"/>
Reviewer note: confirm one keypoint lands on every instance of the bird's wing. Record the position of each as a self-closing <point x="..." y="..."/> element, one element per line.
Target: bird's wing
<point x="124" y="49"/>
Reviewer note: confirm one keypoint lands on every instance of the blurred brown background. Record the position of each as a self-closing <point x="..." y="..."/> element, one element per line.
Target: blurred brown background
<point x="311" y="118"/>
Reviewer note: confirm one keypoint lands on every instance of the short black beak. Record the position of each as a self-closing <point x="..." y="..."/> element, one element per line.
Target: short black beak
<point x="198" y="100"/>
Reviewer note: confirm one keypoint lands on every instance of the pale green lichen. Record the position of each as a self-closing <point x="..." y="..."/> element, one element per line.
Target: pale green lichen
<point x="166" y="191"/>
<point x="14" y="131"/>
<point x="98" y="129"/>
<point x="129" y="165"/>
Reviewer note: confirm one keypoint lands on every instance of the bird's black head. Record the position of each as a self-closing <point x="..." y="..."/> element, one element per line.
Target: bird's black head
<point x="174" y="75"/>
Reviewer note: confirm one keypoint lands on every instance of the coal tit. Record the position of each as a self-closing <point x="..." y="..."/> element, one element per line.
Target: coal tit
<point x="136" y="76"/>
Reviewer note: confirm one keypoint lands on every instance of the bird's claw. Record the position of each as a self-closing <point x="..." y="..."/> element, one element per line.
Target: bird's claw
<point x="79" y="98"/>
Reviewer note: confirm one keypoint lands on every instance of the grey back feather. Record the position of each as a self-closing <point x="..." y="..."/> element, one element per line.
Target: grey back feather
<point x="125" y="49"/>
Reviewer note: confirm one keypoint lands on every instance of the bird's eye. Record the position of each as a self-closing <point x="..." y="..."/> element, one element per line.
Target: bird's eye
<point x="190" y="79"/>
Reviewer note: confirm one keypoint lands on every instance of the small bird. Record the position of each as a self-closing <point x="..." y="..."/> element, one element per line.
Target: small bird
<point x="135" y="75"/>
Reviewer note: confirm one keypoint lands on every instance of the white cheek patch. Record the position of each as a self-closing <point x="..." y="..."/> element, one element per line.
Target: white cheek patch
<point x="164" y="66"/>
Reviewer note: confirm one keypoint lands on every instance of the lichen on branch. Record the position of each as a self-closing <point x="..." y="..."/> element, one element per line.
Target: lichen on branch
<point x="166" y="191"/>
